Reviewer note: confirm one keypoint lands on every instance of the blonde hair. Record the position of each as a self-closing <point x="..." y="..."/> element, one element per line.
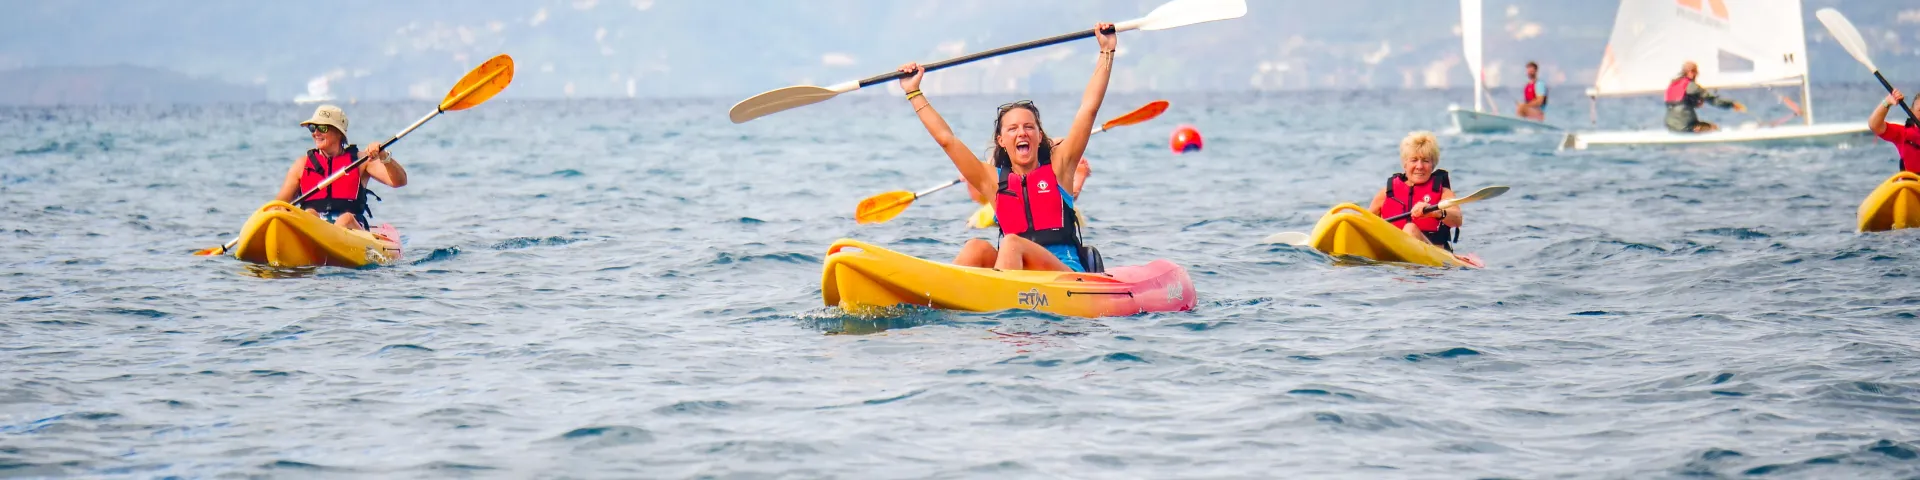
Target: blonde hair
<point x="1420" y="143"/>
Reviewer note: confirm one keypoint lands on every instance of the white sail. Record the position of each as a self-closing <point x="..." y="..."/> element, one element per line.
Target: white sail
<point x="1736" y="43"/>
<point x="1470" y="43"/>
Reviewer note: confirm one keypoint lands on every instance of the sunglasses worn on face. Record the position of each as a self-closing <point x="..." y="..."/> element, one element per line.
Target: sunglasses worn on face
<point x="318" y="128"/>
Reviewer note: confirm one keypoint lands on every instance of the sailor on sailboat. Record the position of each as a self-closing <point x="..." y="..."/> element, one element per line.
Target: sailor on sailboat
<point x="1736" y="44"/>
<point x="1684" y="96"/>
<point x="1533" y="100"/>
<point x="1480" y="120"/>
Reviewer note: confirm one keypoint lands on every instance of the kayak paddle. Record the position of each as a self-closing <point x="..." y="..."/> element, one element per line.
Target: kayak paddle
<point x="1483" y="194"/>
<point x="481" y="84"/>
<point x="885" y="206"/>
<point x="1300" y="239"/>
<point x="1850" y="39"/>
<point x="1174" y="14"/>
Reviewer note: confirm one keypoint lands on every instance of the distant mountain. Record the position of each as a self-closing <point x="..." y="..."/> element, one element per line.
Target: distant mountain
<point x="385" y="49"/>
<point x="117" y="85"/>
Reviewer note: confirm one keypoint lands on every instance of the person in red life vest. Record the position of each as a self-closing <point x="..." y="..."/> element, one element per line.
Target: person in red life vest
<point x="1905" y="138"/>
<point x="1684" y="95"/>
<point x="1419" y="185"/>
<point x="1533" y="103"/>
<point x="343" y="202"/>
<point x="1038" y="228"/>
<point x="1079" y="178"/>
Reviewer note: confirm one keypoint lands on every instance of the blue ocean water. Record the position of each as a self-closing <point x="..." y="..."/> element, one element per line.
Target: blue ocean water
<point x="600" y="288"/>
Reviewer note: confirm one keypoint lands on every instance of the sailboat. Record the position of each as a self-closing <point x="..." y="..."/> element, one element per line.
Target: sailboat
<point x="317" y="92"/>
<point x="1480" y="120"/>
<point x="1736" y="44"/>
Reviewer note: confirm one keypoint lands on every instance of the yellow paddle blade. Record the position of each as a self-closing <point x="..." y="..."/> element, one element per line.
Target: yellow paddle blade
<point x="209" y="252"/>
<point x="982" y="218"/>
<point x="883" y="207"/>
<point x="480" y="84"/>
<point x="1143" y="114"/>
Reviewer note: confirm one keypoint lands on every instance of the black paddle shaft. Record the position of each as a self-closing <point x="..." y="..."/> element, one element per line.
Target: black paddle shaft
<point x="1903" y="102"/>
<point x="982" y="55"/>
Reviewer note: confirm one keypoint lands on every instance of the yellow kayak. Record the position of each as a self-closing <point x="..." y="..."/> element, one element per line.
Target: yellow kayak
<point x="862" y="278"/>
<point x="282" y="235"/>
<point x="1349" y="230"/>
<point x="1895" y="205"/>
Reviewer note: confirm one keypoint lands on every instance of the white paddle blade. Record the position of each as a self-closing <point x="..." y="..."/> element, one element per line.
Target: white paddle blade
<point x="1287" y="238"/>
<point x="775" y="101"/>
<point x="1486" y="193"/>
<point x="1180" y="13"/>
<point x="1848" y="37"/>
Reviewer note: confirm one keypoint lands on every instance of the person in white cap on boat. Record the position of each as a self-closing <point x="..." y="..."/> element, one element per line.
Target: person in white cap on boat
<point x="343" y="202"/>
<point x="1685" y="95"/>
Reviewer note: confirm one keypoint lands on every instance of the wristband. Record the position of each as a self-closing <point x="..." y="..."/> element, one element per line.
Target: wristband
<point x="912" y="94"/>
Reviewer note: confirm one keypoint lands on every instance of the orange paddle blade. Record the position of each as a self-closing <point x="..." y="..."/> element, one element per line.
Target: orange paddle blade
<point x="1143" y="114"/>
<point x="480" y="84"/>
<point x="209" y="251"/>
<point x="883" y="207"/>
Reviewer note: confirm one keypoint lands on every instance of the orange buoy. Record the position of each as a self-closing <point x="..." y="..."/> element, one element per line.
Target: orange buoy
<point x="1186" y="139"/>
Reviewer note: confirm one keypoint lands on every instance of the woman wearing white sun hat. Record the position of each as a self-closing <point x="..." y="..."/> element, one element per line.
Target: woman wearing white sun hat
<point x="343" y="202"/>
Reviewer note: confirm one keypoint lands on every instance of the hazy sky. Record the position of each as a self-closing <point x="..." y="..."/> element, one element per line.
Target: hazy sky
<point x="734" y="48"/>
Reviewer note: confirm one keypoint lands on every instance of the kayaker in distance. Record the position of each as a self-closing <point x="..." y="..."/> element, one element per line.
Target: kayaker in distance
<point x="343" y="202"/>
<point x="1038" y="228"/>
<point x="1905" y="138"/>
<point x="1684" y="95"/>
<point x="1533" y="105"/>
<point x="1418" y="185"/>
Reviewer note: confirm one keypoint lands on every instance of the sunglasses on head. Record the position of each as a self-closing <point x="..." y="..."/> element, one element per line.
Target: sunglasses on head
<point x="1022" y="103"/>
<point x="318" y="128"/>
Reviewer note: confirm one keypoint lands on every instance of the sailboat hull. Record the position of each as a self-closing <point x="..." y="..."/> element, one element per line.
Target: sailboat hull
<point x="1468" y="121"/>
<point x="1825" y="134"/>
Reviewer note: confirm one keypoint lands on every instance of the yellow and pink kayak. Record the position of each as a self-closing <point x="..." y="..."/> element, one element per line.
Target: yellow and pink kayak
<point x="861" y="278"/>
<point x="1892" y="206"/>
<point x="282" y="235"/>
<point x="1350" y="231"/>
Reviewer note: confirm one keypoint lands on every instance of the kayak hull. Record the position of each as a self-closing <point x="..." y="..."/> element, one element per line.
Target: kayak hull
<point x="1892" y="206"/>
<point x="282" y="235"/>
<point x="861" y="278"/>
<point x="1350" y="231"/>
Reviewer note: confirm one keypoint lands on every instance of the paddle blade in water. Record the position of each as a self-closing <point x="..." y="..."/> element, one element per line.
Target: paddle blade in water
<point x="1143" y="114"/>
<point x="209" y="252"/>
<point x="480" y="84"/>
<point x="883" y="207"/>
<point x="1287" y="238"/>
<point x="775" y="101"/>
<point x="1180" y="13"/>
<point x="1844" y="34"/>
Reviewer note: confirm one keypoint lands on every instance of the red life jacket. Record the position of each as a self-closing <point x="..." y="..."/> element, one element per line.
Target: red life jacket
<point x="1677" y="91"/>
<point x="344" y="195"/>
<point x="1530" y="95"/>
<point x="1036" y="206"/>
<point x="1401" y="198"/>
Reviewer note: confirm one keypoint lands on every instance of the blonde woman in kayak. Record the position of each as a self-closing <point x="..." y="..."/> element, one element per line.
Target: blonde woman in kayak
<point x="343" y="202"/>
<point x="1035" y="211"/>
<point x="1419" y="184"/>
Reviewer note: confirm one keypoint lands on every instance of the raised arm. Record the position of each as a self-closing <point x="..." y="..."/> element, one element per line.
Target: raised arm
<point x="978" y="176"/>
<point x="1066" y="159"/>
<point x="1878" y="120"/>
